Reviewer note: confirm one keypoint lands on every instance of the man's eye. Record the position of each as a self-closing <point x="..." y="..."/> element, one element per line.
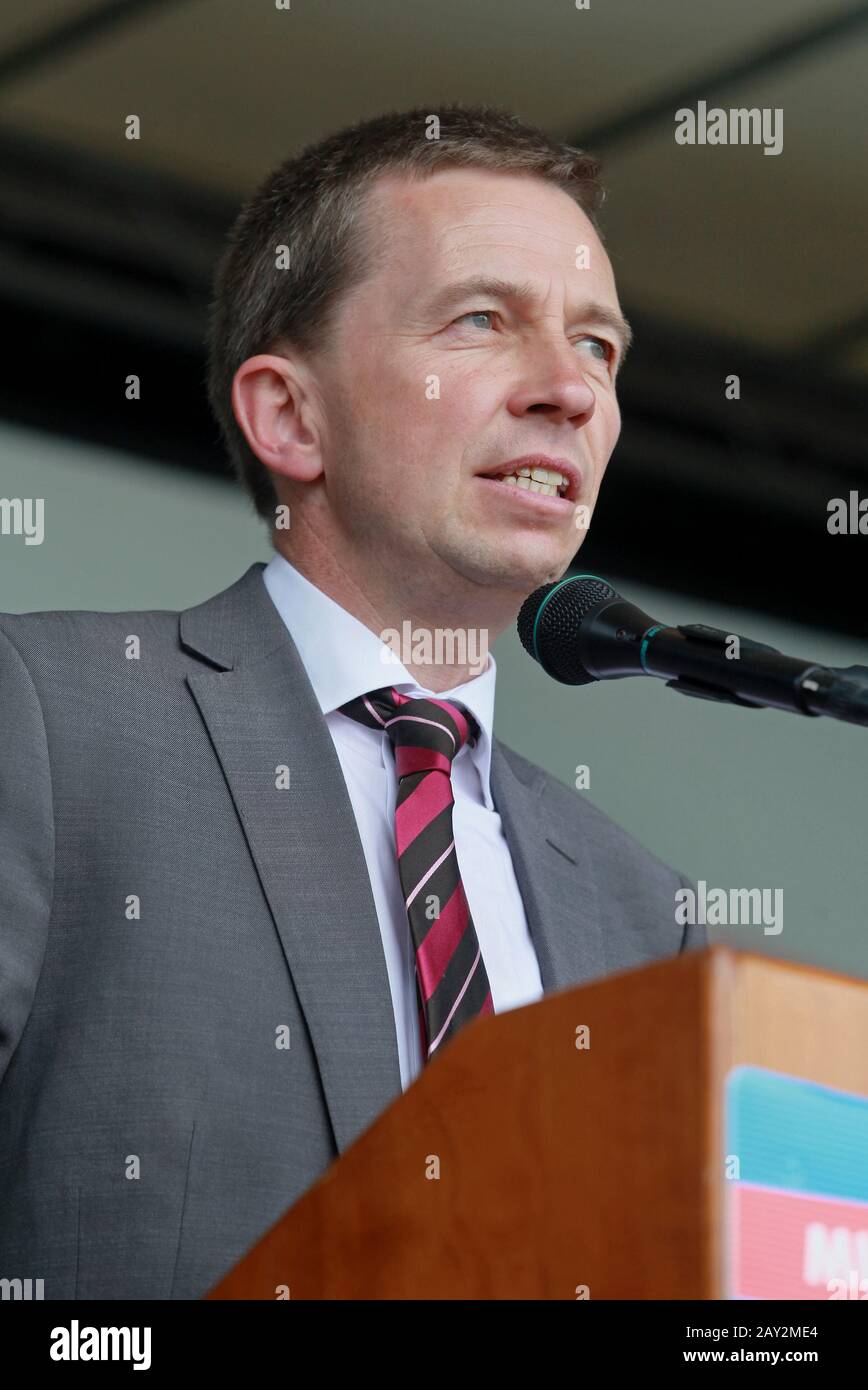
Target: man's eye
<point x="601" y="348"/>
<point x="606" y="350"/>
<point x="477" y="314"/>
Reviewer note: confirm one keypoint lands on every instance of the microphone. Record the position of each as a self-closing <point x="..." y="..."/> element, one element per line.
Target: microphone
<point x="580" y="630"/>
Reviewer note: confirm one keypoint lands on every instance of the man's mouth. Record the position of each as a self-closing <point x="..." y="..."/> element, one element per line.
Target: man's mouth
<point x="545" y="480"/>
<point x="541" y="475"/>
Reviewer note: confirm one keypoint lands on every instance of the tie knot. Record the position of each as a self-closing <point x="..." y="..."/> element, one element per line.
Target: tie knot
<point x="425" y="733"/>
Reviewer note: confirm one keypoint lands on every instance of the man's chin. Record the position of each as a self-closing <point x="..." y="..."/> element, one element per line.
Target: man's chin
<point x="519" y="570"/>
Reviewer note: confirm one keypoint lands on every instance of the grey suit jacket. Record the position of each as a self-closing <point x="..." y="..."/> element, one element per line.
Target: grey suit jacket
<point x="195" y="1015"/>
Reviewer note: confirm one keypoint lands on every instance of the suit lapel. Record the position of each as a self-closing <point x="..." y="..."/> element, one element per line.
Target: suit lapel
<point x="262" y="715"/>
<point x="554" y="874"/>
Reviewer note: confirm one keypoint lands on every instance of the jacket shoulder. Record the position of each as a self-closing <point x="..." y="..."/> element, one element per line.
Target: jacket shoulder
<point x="581" y="817"/>
<point x="73" y="635"/>
<point x="637" y="898"/>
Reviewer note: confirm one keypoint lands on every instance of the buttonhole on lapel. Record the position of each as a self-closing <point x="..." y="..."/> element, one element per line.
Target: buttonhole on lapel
<point x="562" y="852"/>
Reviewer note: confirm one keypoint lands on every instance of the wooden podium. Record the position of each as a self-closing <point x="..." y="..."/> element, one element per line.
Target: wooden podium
<point x="568" y="1149"/>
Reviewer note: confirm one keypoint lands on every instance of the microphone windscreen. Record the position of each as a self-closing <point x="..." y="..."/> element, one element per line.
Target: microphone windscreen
<point x="550" y="620"/>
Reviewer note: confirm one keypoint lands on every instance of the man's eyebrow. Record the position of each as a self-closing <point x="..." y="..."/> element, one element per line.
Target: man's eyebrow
<point x="492" y="287"/>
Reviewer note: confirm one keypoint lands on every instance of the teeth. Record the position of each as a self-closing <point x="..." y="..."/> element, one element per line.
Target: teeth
<point x="545" y="480"/>
<point x="530" y="485"/>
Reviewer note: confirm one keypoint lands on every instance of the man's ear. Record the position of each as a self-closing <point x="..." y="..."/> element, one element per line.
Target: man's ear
<point x="276" y="409"/>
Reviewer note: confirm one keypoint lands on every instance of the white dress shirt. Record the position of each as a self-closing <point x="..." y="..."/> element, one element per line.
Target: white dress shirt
<point x="344" y="659"/>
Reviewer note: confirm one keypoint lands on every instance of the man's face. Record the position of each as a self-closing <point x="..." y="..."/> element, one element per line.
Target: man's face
<point x="428" y="386"/>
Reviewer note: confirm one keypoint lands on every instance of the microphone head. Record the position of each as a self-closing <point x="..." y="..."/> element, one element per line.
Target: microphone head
<point x="550" y="621"/>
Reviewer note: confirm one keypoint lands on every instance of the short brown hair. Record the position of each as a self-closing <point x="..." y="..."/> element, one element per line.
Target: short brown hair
<point x="312" y="205"/>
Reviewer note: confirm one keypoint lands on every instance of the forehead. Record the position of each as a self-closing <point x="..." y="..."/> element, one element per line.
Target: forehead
<point x="461" y="219"/>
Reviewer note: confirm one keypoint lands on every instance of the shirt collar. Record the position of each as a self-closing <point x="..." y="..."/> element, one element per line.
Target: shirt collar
<point x="344" y="659"/>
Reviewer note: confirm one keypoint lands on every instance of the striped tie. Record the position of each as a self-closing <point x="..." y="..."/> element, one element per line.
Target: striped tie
<point x="451" y="981"/>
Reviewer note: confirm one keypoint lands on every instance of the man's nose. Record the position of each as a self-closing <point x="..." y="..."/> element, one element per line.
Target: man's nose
<point x="554" y="384"/>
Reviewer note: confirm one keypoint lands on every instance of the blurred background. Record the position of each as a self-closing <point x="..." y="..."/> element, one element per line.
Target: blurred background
<point x="729" y="262"/>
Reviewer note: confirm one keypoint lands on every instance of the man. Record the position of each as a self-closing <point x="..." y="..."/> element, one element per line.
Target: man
<point x="254" y="875"/>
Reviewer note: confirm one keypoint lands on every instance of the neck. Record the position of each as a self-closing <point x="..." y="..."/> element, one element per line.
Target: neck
<point x="443" y="640"/>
